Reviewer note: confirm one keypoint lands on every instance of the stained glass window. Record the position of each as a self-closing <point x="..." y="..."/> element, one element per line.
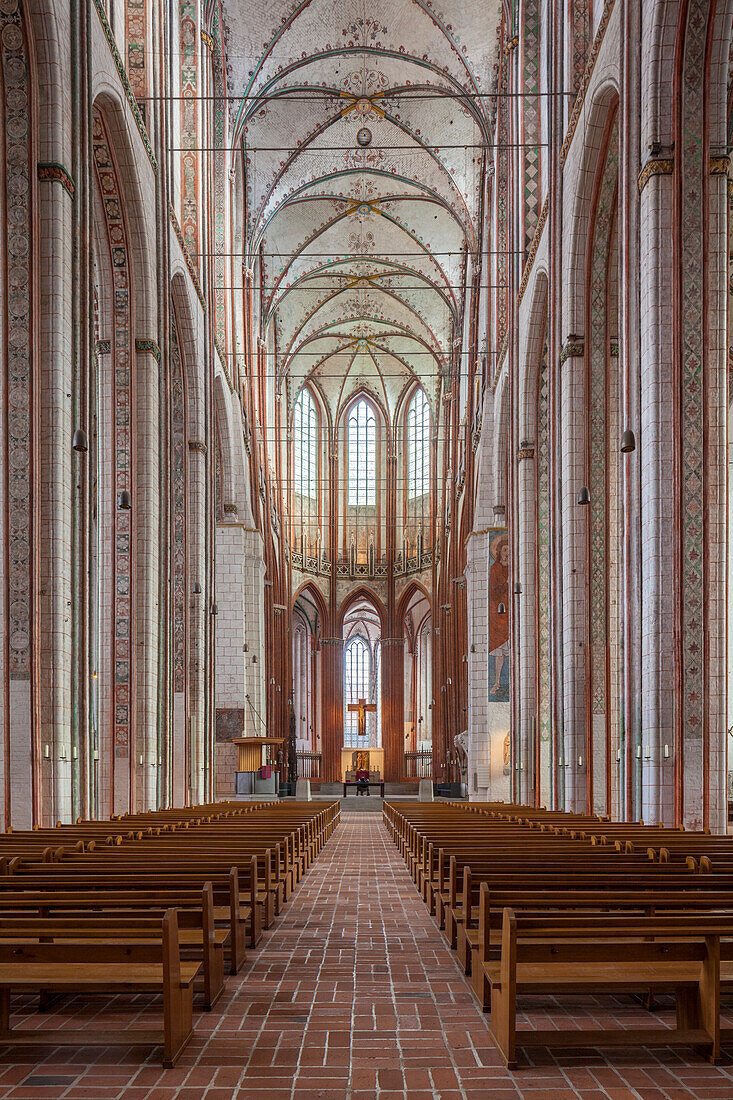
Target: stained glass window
<point x="305" y="445"/>
<point x="357" y="676"/>
<point x="362" y="447"/>
<point x="418" y="446"/>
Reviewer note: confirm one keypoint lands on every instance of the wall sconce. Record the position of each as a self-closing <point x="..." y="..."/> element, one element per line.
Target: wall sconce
<point x="628" y="442"/>
<point x="141" y="758"/>
<point x="638" y="752"/>
<point x="73" y="753"/>
<point x="124" y="501"/>
<point x="449" y="682"/>
<point x="501" y="609"/>
<point x="618" y="756"/>
<point x="272" y="681"/>
<point x="442" y="687"/>
<point x="584" y="495"/>
<point x="666" y="752"/>
<point x="196" y="590"/>
<point x="517" y="589"/>
<point x="47" y="751"/>
<point x="80" y="442"/>
<point x="95" y="754"/>
<point x="580" y="761"/>
<point x="62" y="752"/>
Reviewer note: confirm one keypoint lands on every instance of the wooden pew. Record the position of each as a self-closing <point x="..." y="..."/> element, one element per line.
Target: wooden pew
<point x="133" y="964"/>
<point x="198" y="938"/>
<point x="681" y="958"/>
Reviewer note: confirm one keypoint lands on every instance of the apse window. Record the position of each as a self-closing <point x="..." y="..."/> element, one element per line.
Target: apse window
<point x="357" y="676"/>
<point x="305" y="445"/>
<point x="418" y="446"/>
<point x="362" y="447"/>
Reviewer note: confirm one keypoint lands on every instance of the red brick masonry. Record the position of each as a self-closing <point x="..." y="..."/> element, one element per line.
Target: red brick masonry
<point x="354" y="995"/>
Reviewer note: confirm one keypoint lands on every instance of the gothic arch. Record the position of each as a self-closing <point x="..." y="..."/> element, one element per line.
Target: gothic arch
<point x="308" y="588"/>
<point x="138" y="214"/>
<point x="408" y="594"/>
<point x="501" y="440"/>
<point x="222" y="415"/>
<point x="583" y="174"/>
<point x="363" y="592"/>
<point x="532" y="353"/>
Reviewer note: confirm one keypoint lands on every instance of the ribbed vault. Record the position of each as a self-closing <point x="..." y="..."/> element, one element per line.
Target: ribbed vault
<point x="362" y="253"/>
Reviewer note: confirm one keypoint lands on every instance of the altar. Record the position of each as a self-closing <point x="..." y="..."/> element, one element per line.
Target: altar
<point x="372" y="761"/>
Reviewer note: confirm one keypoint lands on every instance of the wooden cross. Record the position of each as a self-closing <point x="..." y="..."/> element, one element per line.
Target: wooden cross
<point x="362" y="707"/>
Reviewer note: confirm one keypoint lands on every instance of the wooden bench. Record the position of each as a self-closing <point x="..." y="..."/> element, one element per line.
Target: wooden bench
<point x="47" y="898"/>
<point x="134" y="963"/>
<point x="681" y="958"/>
<point x="198" y="938"/>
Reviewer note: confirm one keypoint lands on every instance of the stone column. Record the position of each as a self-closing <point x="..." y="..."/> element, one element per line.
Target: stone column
<point x="574" y="519"/>
<point x="524" y="611"/>
<point x="147" y="558"/>
<point x="57" y="461"/>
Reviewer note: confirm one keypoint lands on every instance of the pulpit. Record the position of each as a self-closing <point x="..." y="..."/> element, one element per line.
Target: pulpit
<point x="248" y="781"/>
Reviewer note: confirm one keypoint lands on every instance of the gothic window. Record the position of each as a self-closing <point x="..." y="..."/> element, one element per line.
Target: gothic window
<point x="362" y="449"/>
<point x="418" y="446"/>
<point x="305" y="445"/>
<point x="357" y="677"/>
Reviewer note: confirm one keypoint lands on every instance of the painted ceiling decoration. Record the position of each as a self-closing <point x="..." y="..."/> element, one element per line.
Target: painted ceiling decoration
<point x="363" y="131"/>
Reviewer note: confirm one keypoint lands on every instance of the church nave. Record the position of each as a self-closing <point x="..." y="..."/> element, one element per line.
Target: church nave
<point x="353" y="994"/>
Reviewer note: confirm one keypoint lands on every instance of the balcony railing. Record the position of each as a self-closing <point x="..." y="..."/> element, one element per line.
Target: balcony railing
<point x="308" y="764"/>
<point x="419" y="765"/>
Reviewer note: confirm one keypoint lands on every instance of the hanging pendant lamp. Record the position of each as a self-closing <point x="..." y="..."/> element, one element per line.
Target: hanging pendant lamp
<point x="628" y="442"/>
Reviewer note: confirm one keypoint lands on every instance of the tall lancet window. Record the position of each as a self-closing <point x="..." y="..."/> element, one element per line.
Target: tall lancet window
<point x="362" y="445"/>
<point x="357" y="685"/>
<point x="305" y="446"/>
<point x="418" y="446"/>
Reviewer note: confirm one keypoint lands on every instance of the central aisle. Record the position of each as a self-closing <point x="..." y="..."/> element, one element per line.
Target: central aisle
<point x="359" y="989"/>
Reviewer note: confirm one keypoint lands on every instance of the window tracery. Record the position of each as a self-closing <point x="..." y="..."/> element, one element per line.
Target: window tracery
<point x="418" y="446"/>
<point x="362" y="452"/>
<point x="305" y="446"/>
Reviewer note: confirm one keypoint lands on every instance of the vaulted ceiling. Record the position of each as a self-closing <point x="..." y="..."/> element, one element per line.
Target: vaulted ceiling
<point x="363" y="251"/>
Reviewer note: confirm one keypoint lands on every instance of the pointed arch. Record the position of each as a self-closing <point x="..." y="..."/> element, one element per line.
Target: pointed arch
<point x="361" y="593"/>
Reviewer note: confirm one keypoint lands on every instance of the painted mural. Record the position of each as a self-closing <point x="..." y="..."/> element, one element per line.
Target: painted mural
<point x="499" y="615"/>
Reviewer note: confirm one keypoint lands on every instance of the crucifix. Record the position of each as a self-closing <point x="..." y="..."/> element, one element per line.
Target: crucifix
<point x="362" y="707"/>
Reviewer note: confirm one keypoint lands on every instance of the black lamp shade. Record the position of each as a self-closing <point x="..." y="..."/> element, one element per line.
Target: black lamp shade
<point x="628" y="442"/>
<point x="124" y="501"/>
<point x="584" y="495"/>
<point x="501" y="609"/>
<point x="80" y="442"/>
<point x="197" y="589"/>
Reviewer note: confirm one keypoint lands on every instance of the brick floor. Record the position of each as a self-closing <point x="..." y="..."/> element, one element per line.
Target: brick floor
<point x="353" y="995"/>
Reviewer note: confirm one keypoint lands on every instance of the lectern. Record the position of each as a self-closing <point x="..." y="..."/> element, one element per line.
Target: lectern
<point x="249" y="762"/>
